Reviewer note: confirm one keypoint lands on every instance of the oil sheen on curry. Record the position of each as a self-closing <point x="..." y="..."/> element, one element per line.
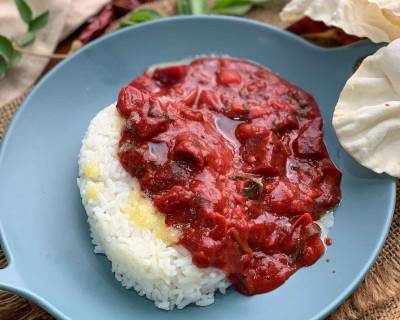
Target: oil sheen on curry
<point x="233" y="156"/>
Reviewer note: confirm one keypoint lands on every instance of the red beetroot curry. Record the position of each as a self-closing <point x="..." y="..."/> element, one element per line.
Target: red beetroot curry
<point x="233" y="155"/>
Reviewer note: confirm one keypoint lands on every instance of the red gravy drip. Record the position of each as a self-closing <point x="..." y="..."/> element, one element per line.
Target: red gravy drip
<point x="233" y="155"/>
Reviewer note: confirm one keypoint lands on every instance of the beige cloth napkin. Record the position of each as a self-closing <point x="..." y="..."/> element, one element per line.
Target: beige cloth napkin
<point x="65" y="16"/>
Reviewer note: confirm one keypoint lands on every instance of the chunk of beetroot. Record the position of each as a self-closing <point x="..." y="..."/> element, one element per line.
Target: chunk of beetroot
<point x="280" y="199"/>
<point x="210" y="100"/>
<point x="247" y="130"/>
<point x="312" y="250"/>
<point x="131" y="158"/>
<point x="190" y="150"/>
<point x="264" y="154"/>
<point x="145" y="83"/>
<point x="129" y="100"/>
<point x="170" y="76"/>
<point x="309" y="142"/>
<point x="226" y="77"/>
<point x="143" y="128"/>
<point x="166" y="176"/>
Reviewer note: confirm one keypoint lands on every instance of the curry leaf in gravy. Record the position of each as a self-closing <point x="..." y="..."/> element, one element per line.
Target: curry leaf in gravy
<point x="252" y="189"/>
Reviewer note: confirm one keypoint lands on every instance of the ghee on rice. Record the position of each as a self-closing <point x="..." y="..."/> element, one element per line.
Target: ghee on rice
<point x="128" y="229"/>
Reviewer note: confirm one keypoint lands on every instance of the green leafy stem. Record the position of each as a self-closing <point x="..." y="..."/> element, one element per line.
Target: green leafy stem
<point x="11" y="50"/>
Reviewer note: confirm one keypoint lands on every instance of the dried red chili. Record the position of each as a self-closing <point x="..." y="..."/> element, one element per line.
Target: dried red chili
<point x="309" y="27"/>
<point x="98" y="24"/>
<point x="107" y="15"/>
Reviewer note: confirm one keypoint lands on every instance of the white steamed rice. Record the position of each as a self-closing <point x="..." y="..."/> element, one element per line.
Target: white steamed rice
<point x="140" y="260"/>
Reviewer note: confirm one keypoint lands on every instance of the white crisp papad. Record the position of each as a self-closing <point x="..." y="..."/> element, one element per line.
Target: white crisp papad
<point x="378" y="20"/>
<point x="367" y="115"/>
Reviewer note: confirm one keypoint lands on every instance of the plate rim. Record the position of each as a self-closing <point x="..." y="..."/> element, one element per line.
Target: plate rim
<point x="27" y="293"/>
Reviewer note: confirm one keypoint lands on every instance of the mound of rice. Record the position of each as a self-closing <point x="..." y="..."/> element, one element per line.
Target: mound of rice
<point x="126" y="227"/>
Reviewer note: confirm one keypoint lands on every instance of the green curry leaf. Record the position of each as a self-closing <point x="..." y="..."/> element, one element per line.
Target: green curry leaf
<point x="16" y="58"/>
<point x="26" y="39"/>
<point x="235" y="10"/>
<point x="39" y="22"/>
<point x="3" y="67"/>
<point x="6" y="49"/>
<point x="252" y="190"/>
<point x="139" y="16"/>
<point x="24" y="10"/>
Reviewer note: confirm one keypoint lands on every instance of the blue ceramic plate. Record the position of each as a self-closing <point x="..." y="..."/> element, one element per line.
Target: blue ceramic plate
<point x="43" y="224"/>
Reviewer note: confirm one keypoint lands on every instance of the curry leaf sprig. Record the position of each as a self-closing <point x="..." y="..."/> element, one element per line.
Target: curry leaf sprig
<point x="33" y="24"/>
<point x="10" y="49"/>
